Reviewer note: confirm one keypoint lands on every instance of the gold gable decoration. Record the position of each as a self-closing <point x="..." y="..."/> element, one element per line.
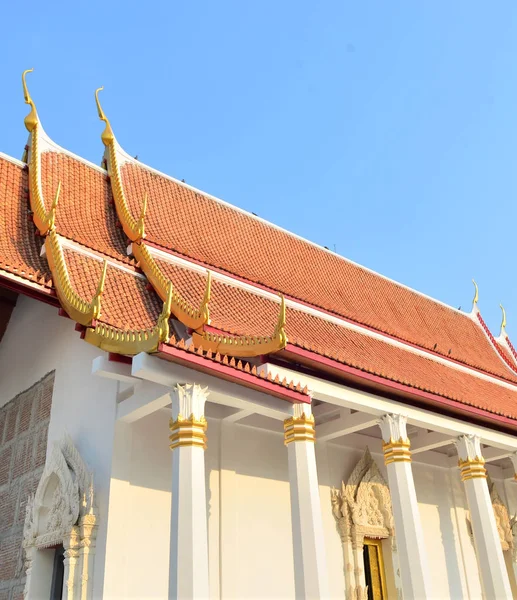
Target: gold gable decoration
<point x="134" y="341"/>
<point x="78" y="309"/>
<point x="245" y="346"/>
<point x="44" y="221"/>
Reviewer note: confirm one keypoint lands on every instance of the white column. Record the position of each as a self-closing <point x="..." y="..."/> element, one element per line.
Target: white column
<point x="494" y="576"/>
<point x="414" y="569"/>
<point x="188" y="575"/>
<point x="310" y="564"/>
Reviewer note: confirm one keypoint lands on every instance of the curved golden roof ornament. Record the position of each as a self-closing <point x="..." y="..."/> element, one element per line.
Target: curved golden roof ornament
<point x="193" y="318"/>
<point x="107" y="135"/>
<point x="31" y="120"/>
<point x="134" y="341"/>
<point x="44" y="221"/>
<point x="244" y="346"/>
<point x="476" y="295"/>
<point x="132" y="228"/>
<point x="77" y="309"/>
<point x="503" y="322"/>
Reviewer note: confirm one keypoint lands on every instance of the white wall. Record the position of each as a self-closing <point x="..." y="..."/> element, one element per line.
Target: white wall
<point x="249" y="515"/>
<point x="38" y="340"/>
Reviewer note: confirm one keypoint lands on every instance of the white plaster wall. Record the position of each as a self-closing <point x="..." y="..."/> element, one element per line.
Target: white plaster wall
<point x="38" y="340"/>
<point x="249" y="515"/>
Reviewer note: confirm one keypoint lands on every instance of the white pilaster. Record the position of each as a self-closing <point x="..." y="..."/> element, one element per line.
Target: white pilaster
<point x="188" y="575"/>
<point x="71" y="576"/>
<point x="414" y="568"/>
<point x="310" y="564"/>
<point x="494" y="576"/>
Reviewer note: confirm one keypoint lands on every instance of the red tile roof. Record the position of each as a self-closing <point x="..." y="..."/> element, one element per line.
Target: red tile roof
<point x="84" y="212"/>
<point x="19" y="245"/>
<point x="209" y="231"/>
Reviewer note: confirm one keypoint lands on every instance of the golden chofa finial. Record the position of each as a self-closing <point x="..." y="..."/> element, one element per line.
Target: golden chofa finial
<point x="107" y="135"/>
<point x="503" y="322"/>
<point x="476" y="295"/>
<point x="96" y="302"/>
<point x="280" y="333"/>
<point x="204" y="309"/>
<point x="140" y="226"/>
<point x="31" y="120"/>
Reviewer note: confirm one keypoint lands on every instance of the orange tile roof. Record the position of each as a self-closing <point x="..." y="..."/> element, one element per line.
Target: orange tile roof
<point x="126" y="302"/>
<point x="84" y="212"/>
<point x="206" y="230"/>
<point x="238" y="311"/>
<point x="19" y="245"/>
<point x="216" y="235"/>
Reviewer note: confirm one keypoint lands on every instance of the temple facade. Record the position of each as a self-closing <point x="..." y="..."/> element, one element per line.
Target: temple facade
<point x="195" y="403"/>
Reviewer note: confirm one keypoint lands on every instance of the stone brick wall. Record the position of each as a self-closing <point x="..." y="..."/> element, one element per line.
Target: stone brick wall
<point x="23" y="445"/>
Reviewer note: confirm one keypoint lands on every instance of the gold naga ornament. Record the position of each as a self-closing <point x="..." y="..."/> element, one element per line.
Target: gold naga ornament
<point x="195" y="318"/>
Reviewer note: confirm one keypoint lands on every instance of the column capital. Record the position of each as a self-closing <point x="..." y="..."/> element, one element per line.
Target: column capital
<point x="393" y="428"/>
<point x="300" y="427"/>
<point x="471" y="461"/>
<point x="513" y="458"/>
<point x="188" y="424"/>
<point x="189" y="401"/>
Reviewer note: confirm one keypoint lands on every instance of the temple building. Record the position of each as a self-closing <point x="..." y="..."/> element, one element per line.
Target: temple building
<point x="195" y="403"/>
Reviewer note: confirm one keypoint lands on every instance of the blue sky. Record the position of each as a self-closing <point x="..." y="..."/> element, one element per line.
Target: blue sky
<point x="385" y="130"/>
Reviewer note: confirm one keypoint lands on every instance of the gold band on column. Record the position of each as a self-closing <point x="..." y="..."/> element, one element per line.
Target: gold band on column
<point x="188" y="432"/>
<point x="299" y="429"/>
<point x="396" y="451"/>
<point x="472" y="468"/>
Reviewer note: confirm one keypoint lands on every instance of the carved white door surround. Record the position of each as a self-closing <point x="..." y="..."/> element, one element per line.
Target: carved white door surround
<point x="62" y="511"/>
<point x="362" y="508"/>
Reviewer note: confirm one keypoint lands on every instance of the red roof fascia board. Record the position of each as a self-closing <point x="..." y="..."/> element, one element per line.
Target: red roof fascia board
<point x="319" y="309"/>
<point x="43" y="294"/>
<point x="495" y="344"/>
<point x="395" y="390"/>
<point x="222" y="371"/>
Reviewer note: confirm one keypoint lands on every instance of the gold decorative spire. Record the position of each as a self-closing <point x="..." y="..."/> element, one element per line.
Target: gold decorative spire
<point x="107" y="135"/>
<point x="204" y="310"/>
<point x="96" y="302"/>
<point x="31" y="120"/>
<point x="503" y="322"/>
<point x="140" y="225"/>
<point x="476" y="295"/>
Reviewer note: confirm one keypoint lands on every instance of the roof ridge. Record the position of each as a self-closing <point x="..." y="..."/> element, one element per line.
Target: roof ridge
<point x="128" y="158"/>
<point x="55" y="147"/>
<point x="15" y="161"/>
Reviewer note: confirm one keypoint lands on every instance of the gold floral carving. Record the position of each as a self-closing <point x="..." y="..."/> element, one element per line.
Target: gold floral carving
<point x="133" y="341"/>
<point x="299" y="429"/>
<point x="188" y="432"/>
<point x="396" y="451"/>
<point x="472" y="468"/>
<point x="78" y="309"/>
<point x="246" y="346"/>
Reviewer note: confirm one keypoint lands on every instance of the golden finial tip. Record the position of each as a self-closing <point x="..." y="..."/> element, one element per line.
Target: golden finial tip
<point x="26" y="94"/>
<point x="476" y="294"/>
<point x="503" y="322"/>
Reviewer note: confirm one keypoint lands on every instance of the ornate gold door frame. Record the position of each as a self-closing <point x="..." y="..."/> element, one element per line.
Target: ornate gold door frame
<point x="374" y="569"/>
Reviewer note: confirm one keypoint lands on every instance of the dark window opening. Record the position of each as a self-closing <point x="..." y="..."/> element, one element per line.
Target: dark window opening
<point x="58" y="574"/>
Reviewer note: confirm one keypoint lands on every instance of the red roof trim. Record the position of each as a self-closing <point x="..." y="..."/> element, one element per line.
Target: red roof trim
<point x="222" y="371"/>
<point x="44" y="294"/>
<point x="430" y="399"/>
<point x="503" y="356"/>
<point x="322" y="310"/>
